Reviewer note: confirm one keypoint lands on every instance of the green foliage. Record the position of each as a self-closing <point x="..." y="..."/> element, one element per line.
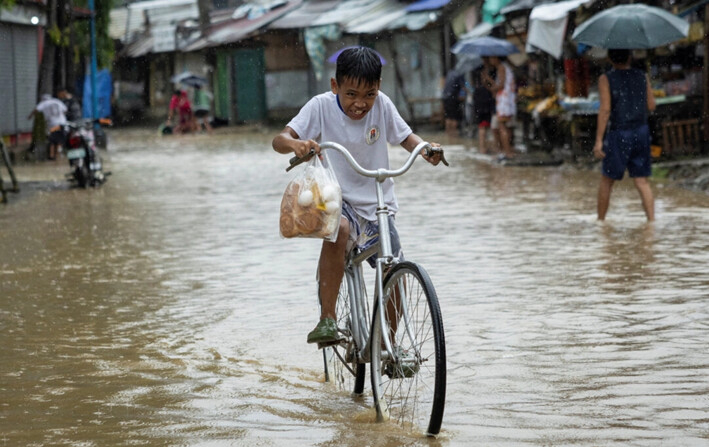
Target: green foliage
<point x="59" y="37"/>
<point x="7" y="4"/>
<point x="104" y="44"/>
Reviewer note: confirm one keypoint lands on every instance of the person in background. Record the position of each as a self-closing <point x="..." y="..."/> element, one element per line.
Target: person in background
<point x="202" y="102"/>
<point x="54" y="112"/>
<point x="623" y="135"/>
<point x="73" y="106"/>
<point x="483" y="106"/>
<point x="180" y="105"/>
<point x="452" y="101"/>
<point x="505" y="90"/>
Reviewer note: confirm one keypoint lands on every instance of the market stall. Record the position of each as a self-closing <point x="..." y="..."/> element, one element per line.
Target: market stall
<point x="568" y="115"/>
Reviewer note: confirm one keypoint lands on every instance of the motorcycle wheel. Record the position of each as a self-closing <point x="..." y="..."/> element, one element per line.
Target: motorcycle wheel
<point x="81" y="173"/>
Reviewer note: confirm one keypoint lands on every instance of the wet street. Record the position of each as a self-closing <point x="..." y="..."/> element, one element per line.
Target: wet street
<point x="164" y="309"/>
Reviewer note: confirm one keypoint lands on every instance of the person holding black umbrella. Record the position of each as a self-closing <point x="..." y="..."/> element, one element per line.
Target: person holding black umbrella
<point x="626" y="94"/>
<point x="623" y="135"/>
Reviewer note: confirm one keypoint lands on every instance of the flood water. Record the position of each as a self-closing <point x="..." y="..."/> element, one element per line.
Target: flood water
<point x="164" y="309"/>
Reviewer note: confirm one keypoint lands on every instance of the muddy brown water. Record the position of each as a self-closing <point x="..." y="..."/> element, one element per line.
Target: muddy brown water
<point x="164" y="309"/>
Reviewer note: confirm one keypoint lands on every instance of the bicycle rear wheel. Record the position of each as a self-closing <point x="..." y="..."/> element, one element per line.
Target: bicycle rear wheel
<point x="409" y="387"/>
<point x="341" y="366"/>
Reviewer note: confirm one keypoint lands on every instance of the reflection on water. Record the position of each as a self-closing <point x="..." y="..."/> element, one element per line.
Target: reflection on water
<point x="164" y="309"/>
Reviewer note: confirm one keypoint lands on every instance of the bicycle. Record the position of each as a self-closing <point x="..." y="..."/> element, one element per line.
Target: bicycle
<point x="404" y="340"/>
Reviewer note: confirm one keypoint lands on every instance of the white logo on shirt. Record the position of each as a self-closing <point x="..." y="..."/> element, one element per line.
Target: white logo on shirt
<point x="372" y="135"/>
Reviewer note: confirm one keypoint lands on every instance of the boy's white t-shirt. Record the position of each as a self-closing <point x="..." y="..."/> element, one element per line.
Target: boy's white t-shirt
<point x="321" y="119"/>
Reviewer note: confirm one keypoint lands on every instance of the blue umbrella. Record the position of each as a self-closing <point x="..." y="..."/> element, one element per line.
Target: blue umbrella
<point x="333" y="58"/>
<point x="629" y="27"/>
<point x="485" y="46"/>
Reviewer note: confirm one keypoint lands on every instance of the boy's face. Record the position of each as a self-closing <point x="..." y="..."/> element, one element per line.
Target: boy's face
<point x="356" y="98"/>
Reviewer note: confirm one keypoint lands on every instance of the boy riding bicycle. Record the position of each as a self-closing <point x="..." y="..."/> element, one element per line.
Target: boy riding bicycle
<point x="358" y="116"/>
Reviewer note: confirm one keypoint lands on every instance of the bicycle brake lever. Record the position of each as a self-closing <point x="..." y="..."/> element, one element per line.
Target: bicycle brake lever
<point x="295" y="161"/>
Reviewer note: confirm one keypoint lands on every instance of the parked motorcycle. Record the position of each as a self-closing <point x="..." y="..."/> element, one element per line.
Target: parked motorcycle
<point x="84" y="160"/>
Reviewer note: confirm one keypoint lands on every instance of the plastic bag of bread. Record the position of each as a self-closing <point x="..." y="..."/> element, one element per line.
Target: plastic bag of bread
<point x="312" y="203"/>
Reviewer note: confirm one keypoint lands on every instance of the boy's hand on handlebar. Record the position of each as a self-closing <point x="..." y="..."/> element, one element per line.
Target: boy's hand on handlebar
<point x="303" y="147"/>
<point x="307" y="148"/>
<point x="434" y="155"/>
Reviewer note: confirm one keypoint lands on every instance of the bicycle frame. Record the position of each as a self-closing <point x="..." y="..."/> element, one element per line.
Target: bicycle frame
<point x="353" y="271"/>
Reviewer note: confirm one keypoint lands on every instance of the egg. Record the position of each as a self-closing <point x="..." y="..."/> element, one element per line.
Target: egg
<point x="305" y="198"/>
<point x="332" y="206"/>
<point x="329" y="193"/>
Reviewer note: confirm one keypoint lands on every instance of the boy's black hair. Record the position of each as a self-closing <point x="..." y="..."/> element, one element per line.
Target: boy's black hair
<point x="618" y="56"/>
<point x="360" y="64"/>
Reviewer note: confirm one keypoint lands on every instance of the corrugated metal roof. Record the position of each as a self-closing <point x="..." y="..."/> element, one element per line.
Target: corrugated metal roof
<point x="479" y="30"/>
<point x="362" y="16"/>
<point x="305" y="15"/>
<point x="238" y="29"/>
<point x="393" y="16"/>
<point x="348" y="11"/>
<point x="152" y="4"/>
<point x="416" y="20"/>
<point x="376" y="19"/>
<point x="139" y="47"/>
<point x="128" y="23"/>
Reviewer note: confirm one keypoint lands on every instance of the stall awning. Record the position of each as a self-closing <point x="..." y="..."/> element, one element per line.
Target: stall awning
<point x="547" y="26"/>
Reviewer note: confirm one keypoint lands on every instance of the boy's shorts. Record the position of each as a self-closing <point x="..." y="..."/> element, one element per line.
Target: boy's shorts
<point x="627" y="149"/>
<point x="365" y="233"/>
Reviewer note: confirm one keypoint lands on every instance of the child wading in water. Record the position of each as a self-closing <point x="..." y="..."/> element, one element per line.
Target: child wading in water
<point x="358" y="116"/>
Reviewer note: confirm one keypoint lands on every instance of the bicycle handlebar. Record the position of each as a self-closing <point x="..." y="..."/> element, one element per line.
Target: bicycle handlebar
<point x="379" y="174"/>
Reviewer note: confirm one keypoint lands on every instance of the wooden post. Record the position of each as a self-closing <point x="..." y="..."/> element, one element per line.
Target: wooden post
<point x="706" y="73"/>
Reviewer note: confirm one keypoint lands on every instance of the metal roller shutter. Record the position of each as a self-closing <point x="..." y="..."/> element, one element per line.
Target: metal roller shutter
<point x="8" y="113"/>
<point x="26" y="74"/>
<point x="19" y="71"/>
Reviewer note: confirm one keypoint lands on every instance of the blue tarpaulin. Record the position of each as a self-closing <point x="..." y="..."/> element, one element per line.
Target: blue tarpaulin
<point x="104" y="89"/>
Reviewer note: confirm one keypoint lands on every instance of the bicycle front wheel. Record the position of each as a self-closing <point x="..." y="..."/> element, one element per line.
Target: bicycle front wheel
<point x="341" y="364"/>
<point x="409" y="383"/>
